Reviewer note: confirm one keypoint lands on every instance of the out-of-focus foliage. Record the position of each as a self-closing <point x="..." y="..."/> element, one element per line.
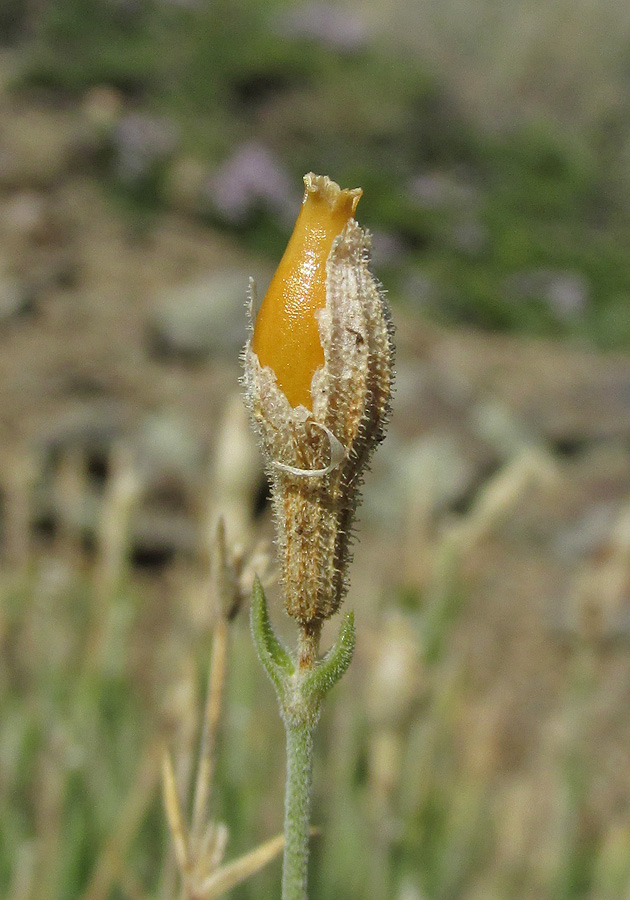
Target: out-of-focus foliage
<point x="523" y="225"/>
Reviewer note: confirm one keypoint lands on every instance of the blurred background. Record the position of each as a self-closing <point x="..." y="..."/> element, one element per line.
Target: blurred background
<point x="151" y="156"/>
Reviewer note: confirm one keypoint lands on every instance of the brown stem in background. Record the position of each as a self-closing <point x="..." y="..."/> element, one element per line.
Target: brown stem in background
<point x="210" y="724"/>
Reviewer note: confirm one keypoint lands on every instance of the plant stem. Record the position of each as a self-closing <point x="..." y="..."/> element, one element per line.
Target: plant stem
<point x="308" y="644"/>
<point x="301" y="684"/>
<point x="299" y="731"/>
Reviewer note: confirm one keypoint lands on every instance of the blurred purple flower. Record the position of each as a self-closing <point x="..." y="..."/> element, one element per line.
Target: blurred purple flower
<point x="326" y="24"/>
<point x="252" y="178"/>
<point x="568" y="295"/>
<point x="438" y="190"/>
<point x="140" y="142"/>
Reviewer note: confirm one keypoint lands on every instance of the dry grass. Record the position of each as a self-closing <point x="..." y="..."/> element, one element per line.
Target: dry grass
<point x="433" y="780"/>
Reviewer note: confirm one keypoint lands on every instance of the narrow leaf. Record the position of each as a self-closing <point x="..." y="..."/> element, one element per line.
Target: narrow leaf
<point x="327" y="673"/>
<point x="270" y="651"/>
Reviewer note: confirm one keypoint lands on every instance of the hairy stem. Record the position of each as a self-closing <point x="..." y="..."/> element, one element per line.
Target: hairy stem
<point x="308" y="644"/>
<point x="301" y="683"/>
<point x="297" y="806"/>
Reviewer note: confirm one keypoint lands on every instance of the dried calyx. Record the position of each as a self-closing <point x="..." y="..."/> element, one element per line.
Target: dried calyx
<point x="318" y="376"/>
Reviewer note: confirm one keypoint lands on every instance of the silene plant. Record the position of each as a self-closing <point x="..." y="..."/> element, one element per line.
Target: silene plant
<point x="318" y="380"/>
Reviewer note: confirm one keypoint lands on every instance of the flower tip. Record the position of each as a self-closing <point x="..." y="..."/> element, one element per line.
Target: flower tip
<point x="343" y="201"/>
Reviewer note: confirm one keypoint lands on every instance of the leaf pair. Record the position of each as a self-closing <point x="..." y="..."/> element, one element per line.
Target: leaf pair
<point x="312" y="684"/>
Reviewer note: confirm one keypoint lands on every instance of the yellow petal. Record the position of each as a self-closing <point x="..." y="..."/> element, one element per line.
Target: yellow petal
<point x="286" y="337"/>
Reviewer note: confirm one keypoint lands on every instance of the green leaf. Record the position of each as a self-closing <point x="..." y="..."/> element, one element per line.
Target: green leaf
<point x="327" y="673"/>
<point x="275" y="659"/>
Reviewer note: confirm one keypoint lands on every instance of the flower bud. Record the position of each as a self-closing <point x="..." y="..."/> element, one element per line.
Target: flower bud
<point x="318" y="376"/>
<point x="287" y="333"/>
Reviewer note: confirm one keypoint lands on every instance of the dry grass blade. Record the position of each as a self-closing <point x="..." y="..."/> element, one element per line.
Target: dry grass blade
<point x="212" y="713"/>
<point x="19" y="473"/>
<point x="211" y="850"/>
<point x="174" y="812"/>
<point x="228" y="876"/>
<point x="108" y="868"/>
<point x="123" y="492"/>
<point x="531" y="469"/>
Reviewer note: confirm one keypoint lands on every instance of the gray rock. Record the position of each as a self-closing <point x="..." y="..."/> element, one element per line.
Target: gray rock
<point x="26" y="215"/>
<point x="164" y="447"/>
<point x="36" y="149"/>
<point x="154" y="532"/>
<point x="561" y="394"/>
<point x="202" y="318"/>
<point x="566" y="293"/>
<point x="165" y="458"/>
<point x="432" y="469"/>
<point x="86" y="427"/>
<point x="16" y="298"/>
<point x="141" y="145"/>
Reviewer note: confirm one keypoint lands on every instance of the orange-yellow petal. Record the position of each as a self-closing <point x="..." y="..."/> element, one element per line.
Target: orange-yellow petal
<point x="286" y="336"/>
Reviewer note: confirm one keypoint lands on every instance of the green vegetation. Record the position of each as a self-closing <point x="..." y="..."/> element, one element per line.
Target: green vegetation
<point x="525" y="227"/>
